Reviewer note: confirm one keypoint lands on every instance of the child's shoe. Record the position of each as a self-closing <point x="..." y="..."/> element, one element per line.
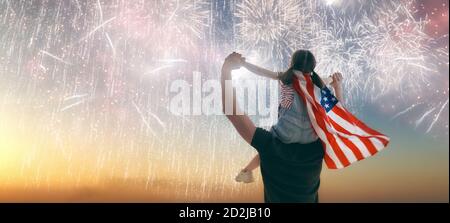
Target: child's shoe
<point x="245" y="177"/>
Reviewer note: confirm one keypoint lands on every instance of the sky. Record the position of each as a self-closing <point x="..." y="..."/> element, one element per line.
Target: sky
<point x="85" y="93"/>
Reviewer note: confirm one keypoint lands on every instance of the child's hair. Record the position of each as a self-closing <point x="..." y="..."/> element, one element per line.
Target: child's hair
<point x="304" y="61"/>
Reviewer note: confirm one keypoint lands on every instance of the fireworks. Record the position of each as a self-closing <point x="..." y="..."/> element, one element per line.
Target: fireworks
<point x="383" y="50"/>
<point x="397" y="52"/>
<point x="402" y="61"/>
<point x="166" y="26"/>
<point x="336" y="54"/>
<point x="273" y="28"/>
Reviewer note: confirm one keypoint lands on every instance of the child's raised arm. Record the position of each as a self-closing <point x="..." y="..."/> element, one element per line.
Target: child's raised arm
<point x="260" y="71"/>
<point x="337" y="85"/>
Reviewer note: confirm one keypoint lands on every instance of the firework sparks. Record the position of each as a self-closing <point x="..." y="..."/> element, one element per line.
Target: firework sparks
<point x="173" y="61"/>
<point x="96" y="29"/>
<point x="55" y="57"/>
<point x="167" y="26"/>
<point x="405" y="111"/>
<point x="72" y="105"/>
<point x="75" y="96"/>
<point x="438" y="115"/>
<point x="396" y="49"/>
<point x="144" y="120"/>
<point x="156" y="70"/>
<point x="272" y="28"/>
<point x="424" y="115"/>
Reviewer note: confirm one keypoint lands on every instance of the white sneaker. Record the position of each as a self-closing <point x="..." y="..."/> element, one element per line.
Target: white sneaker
<point x="245" y="177"/>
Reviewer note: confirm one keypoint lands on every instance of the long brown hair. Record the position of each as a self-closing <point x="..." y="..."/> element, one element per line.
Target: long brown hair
<point x="304" y="61"/>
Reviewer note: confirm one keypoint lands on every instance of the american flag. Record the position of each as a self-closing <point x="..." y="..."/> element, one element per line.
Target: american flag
<point x="287" y="95"/>
<point x="345" y="138"/>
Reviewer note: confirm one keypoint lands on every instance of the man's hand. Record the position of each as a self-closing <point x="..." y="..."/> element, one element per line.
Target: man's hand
<point x="233" y="61"/>
<point x="242" y="123"/>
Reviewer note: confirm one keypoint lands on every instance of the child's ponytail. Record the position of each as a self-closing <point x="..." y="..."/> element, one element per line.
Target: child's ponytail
<point x="317" y="80"/>
<point x="287" y="76"/>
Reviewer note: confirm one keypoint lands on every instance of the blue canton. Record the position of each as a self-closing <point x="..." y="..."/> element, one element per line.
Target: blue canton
<point x="327" y="99"/>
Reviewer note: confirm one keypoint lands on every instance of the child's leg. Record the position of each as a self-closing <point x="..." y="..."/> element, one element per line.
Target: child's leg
<point x="254" y="163"/>
<point x="246" y="175"/>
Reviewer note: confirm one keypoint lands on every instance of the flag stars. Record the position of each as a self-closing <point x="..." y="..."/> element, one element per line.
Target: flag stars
<point x="328" y="100"/>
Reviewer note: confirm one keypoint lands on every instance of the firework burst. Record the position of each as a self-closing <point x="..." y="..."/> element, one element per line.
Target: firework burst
<point x="396" y="50"/>
<point x="337" y="55"/>
<point x="165" y="26"/>
<point x="273" y="28"/>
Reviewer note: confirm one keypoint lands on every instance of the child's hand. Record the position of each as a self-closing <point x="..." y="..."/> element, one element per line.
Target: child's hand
<point x="233" y="61"/>
<point x="337" y="80"/>
<point x="243" y="60"/>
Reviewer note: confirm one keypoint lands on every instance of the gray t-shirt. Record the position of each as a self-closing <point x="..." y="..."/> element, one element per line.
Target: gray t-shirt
<point x="294" y="125"/>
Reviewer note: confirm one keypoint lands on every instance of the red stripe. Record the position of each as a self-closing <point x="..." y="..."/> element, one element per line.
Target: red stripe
<point x="372" y="150"/>
<point x="359" y="123"/>
<point x="353" y="147"/>
<point x="330" y="163"/>
<point x="320" y="121"/>
<point x="353" y="120"/>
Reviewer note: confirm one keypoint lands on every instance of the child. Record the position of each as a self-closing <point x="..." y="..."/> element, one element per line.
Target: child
<point x="293" y="124"/>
